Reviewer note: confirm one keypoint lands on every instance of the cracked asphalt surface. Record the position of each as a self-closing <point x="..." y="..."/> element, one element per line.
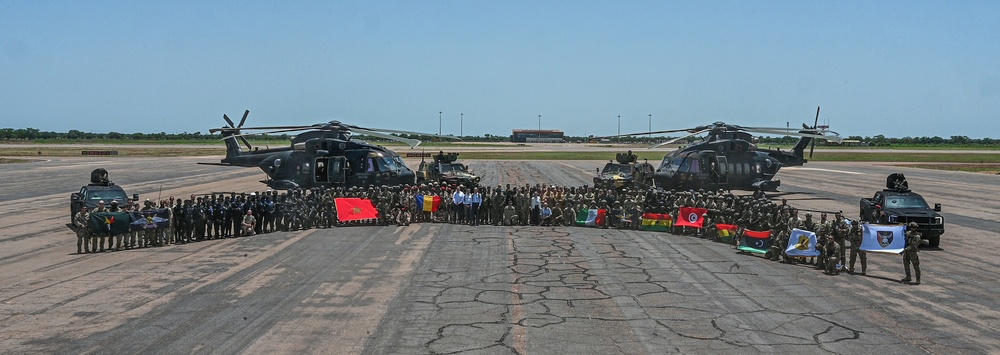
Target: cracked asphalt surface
<point x="445" y="289"/>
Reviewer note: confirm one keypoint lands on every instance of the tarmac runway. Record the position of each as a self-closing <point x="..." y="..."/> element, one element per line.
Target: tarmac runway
<point x="441" y="288"/>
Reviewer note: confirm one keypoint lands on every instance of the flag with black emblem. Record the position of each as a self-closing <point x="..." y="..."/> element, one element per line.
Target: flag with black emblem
<point x="883" y="238"/>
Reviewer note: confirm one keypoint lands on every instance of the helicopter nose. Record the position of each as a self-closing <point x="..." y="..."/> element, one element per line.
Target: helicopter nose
<point x="662" y="180"/>
<point x="407" y="177"/>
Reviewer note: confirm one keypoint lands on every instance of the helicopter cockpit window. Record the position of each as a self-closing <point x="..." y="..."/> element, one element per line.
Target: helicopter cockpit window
<point x="695" y="166"/>
<point x="399" y="162"/>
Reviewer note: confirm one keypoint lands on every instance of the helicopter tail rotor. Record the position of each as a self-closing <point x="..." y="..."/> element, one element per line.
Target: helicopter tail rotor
<point x="236" y="128"/>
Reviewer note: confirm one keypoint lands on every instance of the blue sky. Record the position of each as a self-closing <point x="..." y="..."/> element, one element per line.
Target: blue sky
<point x="908" y="68"/>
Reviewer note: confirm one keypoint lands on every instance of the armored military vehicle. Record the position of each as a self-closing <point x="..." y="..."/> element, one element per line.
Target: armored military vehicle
<point x="897" y="204"/>
<point x="444" y="168"/>
<point x="624" y="172"/>
<point x="100" y="189"/>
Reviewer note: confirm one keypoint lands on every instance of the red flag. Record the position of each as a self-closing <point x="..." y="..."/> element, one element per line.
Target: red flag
<point x="690" y="217"/>
<point x="353" y="209"/>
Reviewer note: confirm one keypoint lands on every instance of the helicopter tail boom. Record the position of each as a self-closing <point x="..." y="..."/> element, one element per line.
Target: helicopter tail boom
<point x="800" y="147"/>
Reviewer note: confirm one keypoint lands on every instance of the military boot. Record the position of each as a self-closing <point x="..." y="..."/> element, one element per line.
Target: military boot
<point x="906" y="279"/>
<point x="917" y="274"/>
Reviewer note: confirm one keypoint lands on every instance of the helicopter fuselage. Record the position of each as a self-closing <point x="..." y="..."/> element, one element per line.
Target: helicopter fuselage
<point x="323" y="160"/>
<point x="719" y="164"/>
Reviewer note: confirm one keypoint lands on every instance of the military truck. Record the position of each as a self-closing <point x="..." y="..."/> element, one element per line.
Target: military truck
<point x="897" y="204"/>
<point x="624" y="172"/>
<point x="100" y="189"/>
<point x="445" y="169"/>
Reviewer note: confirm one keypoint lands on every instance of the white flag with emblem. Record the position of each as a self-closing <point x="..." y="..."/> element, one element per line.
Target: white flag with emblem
<point x="802" y="243"/>
<point x="882" y="238"/>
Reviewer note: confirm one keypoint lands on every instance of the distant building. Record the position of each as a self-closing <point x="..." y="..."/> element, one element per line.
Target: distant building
<point x="537" y="136"/>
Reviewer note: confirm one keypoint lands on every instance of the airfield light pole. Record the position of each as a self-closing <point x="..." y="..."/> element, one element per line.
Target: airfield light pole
<point x="539" y="133"/>
<point x="439" y="123"/>
<point x="461" y="124"/>
<point x="619" y="127"/>
<point x="650" y="126"/>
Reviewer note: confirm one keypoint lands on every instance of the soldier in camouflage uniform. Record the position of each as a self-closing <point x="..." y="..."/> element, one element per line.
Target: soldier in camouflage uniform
<point x="80" y="221"/>
<point x="856" y="237"/>
<point x="833" y="255"/>
<point x="913" y="240"/>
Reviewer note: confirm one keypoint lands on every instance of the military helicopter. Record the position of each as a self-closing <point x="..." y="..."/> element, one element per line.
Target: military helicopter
<point x="322" y="156"/>
<point x="727" y="157"/>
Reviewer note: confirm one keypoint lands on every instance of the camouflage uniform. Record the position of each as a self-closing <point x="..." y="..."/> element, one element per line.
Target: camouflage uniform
<point x="832" y="255"/>
<point x="913" y="239"/>
<point x="856" y="238"/>
<point x="81" y="220"/>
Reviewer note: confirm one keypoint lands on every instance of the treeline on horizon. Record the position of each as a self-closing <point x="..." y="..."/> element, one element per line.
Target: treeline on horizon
<point x="33" y="134"/>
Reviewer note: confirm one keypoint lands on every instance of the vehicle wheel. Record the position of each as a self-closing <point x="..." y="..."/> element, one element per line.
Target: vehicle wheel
<point x="933" y="241"/>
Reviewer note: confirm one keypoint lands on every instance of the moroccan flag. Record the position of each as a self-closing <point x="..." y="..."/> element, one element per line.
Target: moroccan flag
<point x="659" y="222"/>
<point x="110" y="222"/>
<point x="428" y="203"/>
<point x="690" y="217"/>
<point x="802" y="243"/>
<point x="883" y="238"/>
<point x="755" y="242"/>
<point x="726" y="232"/>
<point x="151" y="219"/>
<point x="353" y="209"/>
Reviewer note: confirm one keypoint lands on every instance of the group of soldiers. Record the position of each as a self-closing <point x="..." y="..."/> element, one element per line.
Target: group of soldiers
<point x="217" y="216"/>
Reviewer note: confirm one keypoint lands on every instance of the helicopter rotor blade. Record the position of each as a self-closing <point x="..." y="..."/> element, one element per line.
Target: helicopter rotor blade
<point x="651" y="132"/>
<point x="279" y="131"/>
<point x="274" y="127"/>
<point x="246" y="142"/>
<point x="812" y="145"/>
<point x="353" y="127"/>
<point x="677" y="139"/>
<point x="818" y="135"/>
<point x="244" y="119"/>
<point x="410" y="142"/>
<point x="231" y="124"/>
